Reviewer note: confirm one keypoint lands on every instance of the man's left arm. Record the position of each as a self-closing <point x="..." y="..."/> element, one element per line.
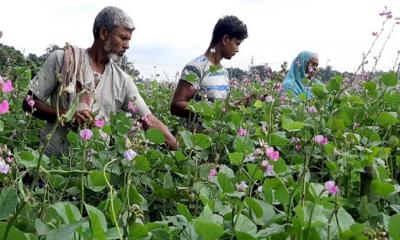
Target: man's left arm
<point x="148" y="119"/>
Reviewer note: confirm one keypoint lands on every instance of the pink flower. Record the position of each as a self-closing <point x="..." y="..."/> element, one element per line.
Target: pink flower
<point x="9" y="159"/>
<point x="241" y="187"/>
<point x="268" y="168"/>
<point x="86" y="134"/>
<point x="269" y="99"/>
<point x="258" y="152"/>
<point x="4" y="167"/>
<point x="4" y="107"/>
<point x="100" y="123"/>
<point x="132" y="107"/>
<point x="130" y="154"/>
<point x="242" y="132"/>
<point x="319" y="139"/>
<point x="297" y="147"/>
<point x="31" y="103"/>
<point x="211" y="174"/>
<point x="271" y="154"/>
<point x="278" y="86"/>
<point x="331" y="187"/>
<point x="294" y="140"/>
<point x="30" y="100"/>
<point x="311" y="109"/>
<point x="282" y="99"/>
<point x="6" y="87"/>
<point x="356" y="125"/>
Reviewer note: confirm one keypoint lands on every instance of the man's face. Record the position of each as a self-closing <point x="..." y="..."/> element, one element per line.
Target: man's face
<point x="117" y="42"/>
<point x="230" y="47"/>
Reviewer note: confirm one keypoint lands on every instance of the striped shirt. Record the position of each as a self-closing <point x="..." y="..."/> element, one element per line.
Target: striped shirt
<point x="212" y="80"/>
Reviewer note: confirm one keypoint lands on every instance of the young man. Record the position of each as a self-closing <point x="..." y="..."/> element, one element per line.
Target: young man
<point x="107" y="87"/>
<point x="199" y="78"/>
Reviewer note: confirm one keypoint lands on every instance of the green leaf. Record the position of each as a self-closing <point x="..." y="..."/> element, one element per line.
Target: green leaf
<point x="225" y="183"/>
<point x="243" y="144"/>
<point x="258" y="104"/>
<point x="290" y="125"/>
<point x="334" y="84"/>
<point x="63" y="232"/>
<point x="155" y="135"/>
<point x="122" y="124"/>
<point x="394" y="229"/>
<point x="278" y="139"/>
<point x="14" y="233"/>
<point x="382" y="188"/>
<point x="329" y="148"/>
<point x="387" y="118"/>
<point x="56" y="181"/>
<point x="254" y="206"/>
<point x="66" y="117"/>
<point x="8" y="202"/>
<point x="41" y="228"/>
<point x="73" y="139"/>
<point x="236" y="158"/>
<point x="214" y="68"/>
<point x="98" y="223"/>
<point x="202" y="140"/>
<point x="27" y="159"/>
<point x="97" y="181"/>
<point x="244" y="224"/>
<point x="180" y="156"/>
<point x="66" y="212"/>
<point x="138" y="231"/>
<point x="318" y="90"/>
<point x="280" y="166"/>
<point x="345" y="220"/>
<point x="336" y="124"/>
<point x="142" y="163"/>
<point x="271" y="230"/>
<point x="244" y="236"/>
<point x="192" y="77"/>
<point x="389" y="79"/>
<point x="168" y="181"/>
<point x="370" y="86"/>
<point x="187" y="138"/>
<point x="208" y="230"/>
<point x="182" y="209"/>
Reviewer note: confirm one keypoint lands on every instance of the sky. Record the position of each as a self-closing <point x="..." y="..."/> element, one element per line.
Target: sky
<point x="170" y="33"/>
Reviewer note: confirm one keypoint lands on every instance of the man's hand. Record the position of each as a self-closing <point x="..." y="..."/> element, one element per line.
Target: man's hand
<point x="83" y="117"/>
<point x="150" y="121"/>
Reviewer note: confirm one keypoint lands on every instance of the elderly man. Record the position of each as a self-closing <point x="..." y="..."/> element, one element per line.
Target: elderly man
<point x="105" y="86"/>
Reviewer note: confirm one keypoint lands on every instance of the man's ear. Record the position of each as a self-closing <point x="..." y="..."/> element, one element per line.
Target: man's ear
<point x="225" y="39"/>
<point x="103" y="33"/>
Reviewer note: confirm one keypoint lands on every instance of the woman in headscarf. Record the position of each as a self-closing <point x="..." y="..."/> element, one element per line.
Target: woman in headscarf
<point x="303" y="66"/>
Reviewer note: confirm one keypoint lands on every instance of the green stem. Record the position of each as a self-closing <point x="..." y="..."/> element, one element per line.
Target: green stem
<point x="311" y="213"/>
<point x="13" y="219"/>
<point x="82" y="179"/>
<point x="303" y="192"/>
<point x="36" y="179"/>
<point x="112" y="198"/>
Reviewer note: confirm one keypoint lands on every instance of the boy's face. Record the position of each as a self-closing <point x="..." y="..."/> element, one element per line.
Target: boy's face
<point x="230" y="46"/>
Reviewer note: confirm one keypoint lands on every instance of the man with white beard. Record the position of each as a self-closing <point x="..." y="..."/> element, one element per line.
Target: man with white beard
<point x="94" y="72"/>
